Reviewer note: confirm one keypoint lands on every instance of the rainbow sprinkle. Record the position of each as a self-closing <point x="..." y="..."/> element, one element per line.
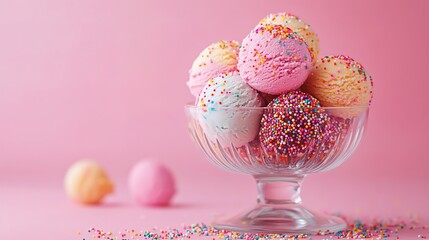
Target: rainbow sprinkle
<point x="356" y="229"/>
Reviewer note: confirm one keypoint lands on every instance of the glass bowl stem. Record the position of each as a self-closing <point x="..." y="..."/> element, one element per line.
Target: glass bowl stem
<point x="279" y="189"/>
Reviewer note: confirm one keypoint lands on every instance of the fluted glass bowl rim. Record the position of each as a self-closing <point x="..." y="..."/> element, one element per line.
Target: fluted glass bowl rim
<point x="191" y="106"/>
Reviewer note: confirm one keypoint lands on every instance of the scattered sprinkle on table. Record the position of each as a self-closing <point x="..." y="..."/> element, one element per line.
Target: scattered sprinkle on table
<point x="355" y="230"/>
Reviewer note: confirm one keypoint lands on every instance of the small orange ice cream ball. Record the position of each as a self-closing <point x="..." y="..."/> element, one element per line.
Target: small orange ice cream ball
<point x="340" y="81"/>
<point x="86" y="182"/>
<point x="298" y="26"/>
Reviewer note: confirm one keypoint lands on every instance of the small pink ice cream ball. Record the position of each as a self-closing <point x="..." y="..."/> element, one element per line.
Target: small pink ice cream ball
<point x="151" y="183"/>
<point x="274" y="60"/>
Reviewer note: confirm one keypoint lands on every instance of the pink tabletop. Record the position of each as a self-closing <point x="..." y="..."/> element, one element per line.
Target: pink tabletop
<point x="105" y="79"/>
<point x="44" y="211"/>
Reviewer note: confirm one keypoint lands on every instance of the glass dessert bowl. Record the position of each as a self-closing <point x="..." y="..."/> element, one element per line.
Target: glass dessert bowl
<point x="278" y="155"/>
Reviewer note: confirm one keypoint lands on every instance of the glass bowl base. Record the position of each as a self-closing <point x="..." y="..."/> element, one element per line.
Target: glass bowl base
<point x="283" y="218"/>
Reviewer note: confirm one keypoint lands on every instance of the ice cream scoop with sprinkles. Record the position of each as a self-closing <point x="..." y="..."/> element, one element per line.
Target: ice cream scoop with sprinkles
<point x="292" y="123"/>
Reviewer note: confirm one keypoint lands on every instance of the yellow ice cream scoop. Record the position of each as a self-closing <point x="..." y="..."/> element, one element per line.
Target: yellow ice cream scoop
<point x="340" y="81"/>
<point x="86" y="182"/>
<point x="298" y="26"/>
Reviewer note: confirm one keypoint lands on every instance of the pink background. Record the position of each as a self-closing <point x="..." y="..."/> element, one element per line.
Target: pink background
<point x="106" y="80"/>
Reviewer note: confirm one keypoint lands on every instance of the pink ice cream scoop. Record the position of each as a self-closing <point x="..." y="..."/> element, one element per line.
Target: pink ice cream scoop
<point x="274" y="60"/>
